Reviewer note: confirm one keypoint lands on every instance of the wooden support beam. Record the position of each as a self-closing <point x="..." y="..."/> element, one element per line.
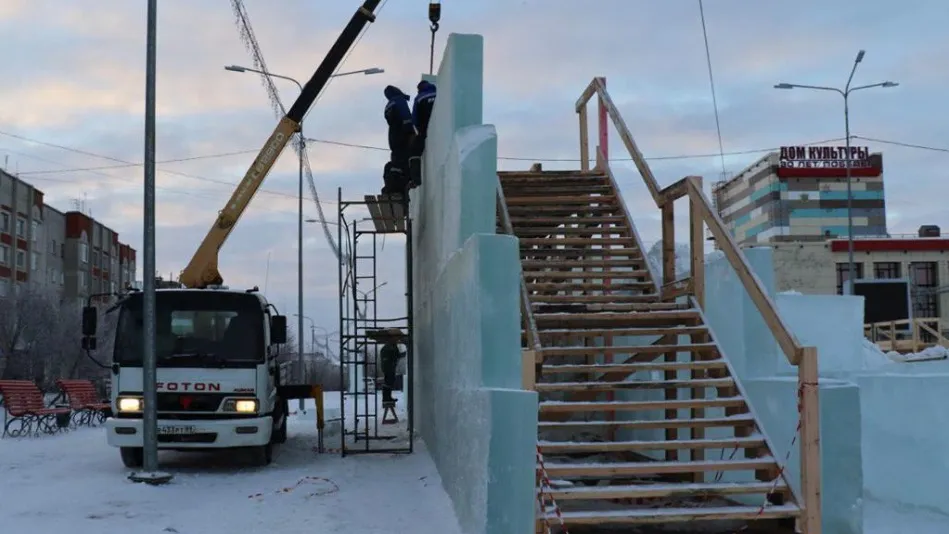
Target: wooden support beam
<point x="810" y="441"/>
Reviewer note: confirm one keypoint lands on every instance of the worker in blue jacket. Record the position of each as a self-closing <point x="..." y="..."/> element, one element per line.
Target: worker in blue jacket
<point x="401" y="132"/>
<point x="421" y="113"/>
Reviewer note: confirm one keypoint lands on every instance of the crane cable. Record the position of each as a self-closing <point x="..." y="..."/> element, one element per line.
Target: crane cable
<point x="434" y="15"/>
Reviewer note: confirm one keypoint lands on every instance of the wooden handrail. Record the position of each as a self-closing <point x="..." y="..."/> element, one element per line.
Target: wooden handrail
<point x="786" y="340"/>
<point x="663" y="196"/>
<point x="527" y="313"/>
<point x="597" y="87"/>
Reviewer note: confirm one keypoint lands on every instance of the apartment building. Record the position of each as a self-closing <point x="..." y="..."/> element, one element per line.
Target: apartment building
<point x="800" y="194"/>
<point x="68" y="253"/>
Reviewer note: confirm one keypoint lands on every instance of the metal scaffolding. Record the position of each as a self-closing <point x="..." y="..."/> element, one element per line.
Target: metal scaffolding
<point x="366" y="427"/>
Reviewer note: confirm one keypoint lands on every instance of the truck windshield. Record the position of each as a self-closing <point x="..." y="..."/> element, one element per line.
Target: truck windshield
<point x="194" y="329"/>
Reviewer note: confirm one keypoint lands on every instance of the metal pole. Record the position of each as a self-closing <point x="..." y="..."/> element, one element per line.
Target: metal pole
<point x="301" y="374"/>
<point x="149" y="373"/>
<point x="851" y="267"/>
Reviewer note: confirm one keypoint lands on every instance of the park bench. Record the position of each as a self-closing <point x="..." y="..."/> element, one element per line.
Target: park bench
<point x="88" y="408"/>
<point x="25" y="411"/>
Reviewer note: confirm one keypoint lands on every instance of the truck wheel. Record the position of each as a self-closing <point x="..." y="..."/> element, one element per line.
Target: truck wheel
<point x="262" y="456"/>
<point x="132" y="456"/>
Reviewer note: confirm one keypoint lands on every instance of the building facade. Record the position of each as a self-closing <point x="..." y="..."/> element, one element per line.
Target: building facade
<point x="68" y="253"/>
<point x="800" y="194"/>
<point x="821" y="268"/>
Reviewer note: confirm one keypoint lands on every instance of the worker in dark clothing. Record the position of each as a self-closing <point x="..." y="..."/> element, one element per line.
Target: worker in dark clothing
<point x="421" y="113"/>
<point x="401" y="131"/>
<point x="390" y="356"/>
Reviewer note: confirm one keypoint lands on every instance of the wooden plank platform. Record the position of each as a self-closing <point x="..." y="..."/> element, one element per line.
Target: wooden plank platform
<point x="388" y="213"/>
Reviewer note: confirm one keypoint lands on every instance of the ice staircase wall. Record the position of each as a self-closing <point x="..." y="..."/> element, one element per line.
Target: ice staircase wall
<point x="641" y="417"/>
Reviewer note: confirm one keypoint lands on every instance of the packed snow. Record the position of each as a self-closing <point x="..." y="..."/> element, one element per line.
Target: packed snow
<point x="74" y="482"/>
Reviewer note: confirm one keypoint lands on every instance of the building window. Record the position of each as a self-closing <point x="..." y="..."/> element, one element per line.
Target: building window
<point x="4" y="287"/>
<point x="82" y="280"/>
<point x="5" y="222"/>
<point x="34" y="260"/>
<point x="95" y="258"/>
<point x="35" y="230"/>
<point x="21" y="260"/>
<point x="924" y="282"/>
<point x="886" y="270"/>
<point x="83" y="252"/>
<point x="52" y="246"/>
<point x="20" y="227"/>
<point x="4" y="254"/>
<point x="843" y="272"/>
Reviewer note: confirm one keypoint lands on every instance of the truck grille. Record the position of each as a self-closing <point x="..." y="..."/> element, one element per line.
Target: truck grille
<point x="190" y="402"/>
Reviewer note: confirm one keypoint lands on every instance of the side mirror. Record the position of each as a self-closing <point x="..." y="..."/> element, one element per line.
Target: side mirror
<point x="278" y="329"/>
<point x="89" y="343"/>
<point x="90" y="320"/>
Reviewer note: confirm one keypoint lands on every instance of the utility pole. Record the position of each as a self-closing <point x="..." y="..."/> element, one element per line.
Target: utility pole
<point x="301" y="374"/>
<point x="149" y="473"/>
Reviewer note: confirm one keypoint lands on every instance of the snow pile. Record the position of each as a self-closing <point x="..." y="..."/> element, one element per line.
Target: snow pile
<point x="790" y="292"/>
<point x="874" y="355"/>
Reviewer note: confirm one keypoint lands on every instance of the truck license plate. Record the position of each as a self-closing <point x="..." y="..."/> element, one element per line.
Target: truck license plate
<point x="176" y="430"/>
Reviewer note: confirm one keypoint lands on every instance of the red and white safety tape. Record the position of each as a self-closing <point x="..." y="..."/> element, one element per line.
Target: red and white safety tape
<point x="787" y="457"/>
<point x="543" y="495"/>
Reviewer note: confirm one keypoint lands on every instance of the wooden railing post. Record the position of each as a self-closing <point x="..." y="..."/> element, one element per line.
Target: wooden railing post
<point x="697" y="244"/>
<point x="528" y="369"/>
<point x="603" y="125"/>
<point x="584" y="139"/>
<point x="808" y="388"/>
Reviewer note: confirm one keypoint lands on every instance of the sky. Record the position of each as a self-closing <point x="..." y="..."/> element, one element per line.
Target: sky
<point x="72" y="108"/>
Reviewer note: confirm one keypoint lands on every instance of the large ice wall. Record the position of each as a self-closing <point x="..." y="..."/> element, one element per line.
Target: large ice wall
<point x="480" y="427"/>
<point x="769" y="382"/>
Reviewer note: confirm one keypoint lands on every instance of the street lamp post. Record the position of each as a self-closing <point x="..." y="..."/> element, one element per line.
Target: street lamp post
<point x="302" y="141"/>
<point x="845" y="93"/>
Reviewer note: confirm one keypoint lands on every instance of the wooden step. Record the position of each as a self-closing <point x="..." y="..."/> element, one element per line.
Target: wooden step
<point x="614" y="385"/>
<point x="631" y="367"/>
<point x="558" y="299"/>
<point x="581" y="309"/>
<point x="653" y="491"/>
<point x="600" y="219"/>
<point x="625" y="332"/>
<point x="507" y="175"/>
<point x="589" y="286"/>
<point x="637" y="406"/>
<point x="532" y="231"/>
<point x="556" y="255"/>
<point x="743" y="420"/>
<point x="617" y="469"/>
<point x="675" y="317"/>
<point x="578" y="241"/>
<point x="562" y="200"/>
<point x="640" y="516"/>
<point x="563" y="211"/>
<point x="564" y="187"/>
<point x="592" y="447"/>
<point x="639" y="275"/>
<point x="604" y="263"/>
<point x="632" y="349"/>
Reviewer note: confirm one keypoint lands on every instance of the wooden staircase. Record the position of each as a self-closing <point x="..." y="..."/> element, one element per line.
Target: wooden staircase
<point x="609" y="346"/>
<point x="642" y="423"/>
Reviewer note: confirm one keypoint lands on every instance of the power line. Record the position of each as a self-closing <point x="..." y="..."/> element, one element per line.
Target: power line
<point x="711" y="82"/>
<point x="127" y="165"/>
<point x="902" y="144"/>
<point x="124" y="163"/>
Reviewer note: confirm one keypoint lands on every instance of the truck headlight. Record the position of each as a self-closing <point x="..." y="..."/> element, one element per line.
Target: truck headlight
<point x="129" y="404"/>
<point x="240" y="405"/>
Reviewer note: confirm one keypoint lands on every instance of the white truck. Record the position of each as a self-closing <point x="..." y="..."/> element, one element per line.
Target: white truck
<point x="218" y="377"/>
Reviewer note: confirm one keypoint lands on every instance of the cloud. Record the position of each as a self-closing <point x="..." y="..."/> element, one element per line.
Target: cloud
<point x="79" y="83"/>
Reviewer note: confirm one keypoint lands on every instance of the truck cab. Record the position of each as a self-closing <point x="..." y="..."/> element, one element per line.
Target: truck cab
<point x="217" y="373"/>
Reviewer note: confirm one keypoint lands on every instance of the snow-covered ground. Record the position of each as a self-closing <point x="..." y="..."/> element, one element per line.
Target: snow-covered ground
<point x="75" y="482"/>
